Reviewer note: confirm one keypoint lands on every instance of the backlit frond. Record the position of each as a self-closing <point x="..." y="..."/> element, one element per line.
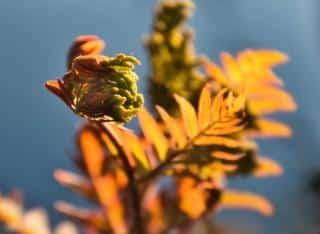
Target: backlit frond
<point x="136" y="148"/>
<point x="192" y="198"/>
<point x="189" y="116"/>
<point x="267" y="167"/>
<point x="173" y="127"/>
<point x="199" y="134"/>
<point x="244" y="200"/>
<point x="215" y="118"/>
<point x="92" y="151"/>
<point x="153" y="133"/>
<point x="270" y="128"/>
<point x="251" y="70"/>
<point x="76" y="183"/>
<point x="108" y="194"/>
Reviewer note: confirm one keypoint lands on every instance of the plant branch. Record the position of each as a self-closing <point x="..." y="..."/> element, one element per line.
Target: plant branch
<point x="133" y="187"/>
<point x="161" y="166"/>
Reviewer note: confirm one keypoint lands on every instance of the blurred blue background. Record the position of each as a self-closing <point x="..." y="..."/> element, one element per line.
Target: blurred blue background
<point x="36" y="129"/>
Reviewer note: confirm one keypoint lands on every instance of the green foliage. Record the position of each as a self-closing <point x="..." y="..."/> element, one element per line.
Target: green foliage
<point x="173" y="61"/>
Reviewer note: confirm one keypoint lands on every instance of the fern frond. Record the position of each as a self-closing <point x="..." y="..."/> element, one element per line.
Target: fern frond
<point x="215" y="119"/>
<point x="243" y="200"/>
<point x="251" y="70"/>
<point x="153" y="133"/>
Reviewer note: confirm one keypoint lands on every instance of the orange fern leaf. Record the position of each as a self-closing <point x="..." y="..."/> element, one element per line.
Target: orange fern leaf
<point x="270" y="128"/>
<point x="218" y="117"/>
<point x="251" y="70"/>
<point x="215" y="119"/>
<point x="244" y="200"/>
<point x="192" y="199"/>
<point x="107" y="192"/>
<point x="173" y="127"/>
<point x="204" y="106"/>
<point x="153" y="133"/>
<point x="189" y="116"/>
<point x="92" y="151"/>
<point x="135" y="146"/>
<point x="76" y="183"/>
<point x="267" y="167"/>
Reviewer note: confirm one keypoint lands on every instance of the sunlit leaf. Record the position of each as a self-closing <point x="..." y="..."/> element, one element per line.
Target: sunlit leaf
<point x="92" y="151"/>
<point x="267" y="99"/>
<point x="204" y="106"/>
<point x="173" y="127"/>
<point x="216" y="140"/>
<point x="134" y="145"/>
<point x="216" y="73"/>
<point x="225" y="110"/>
<point x="221" y="167"/>
<point x="75" y="182"/>
<point x="121" y="178"/>
<point x="270" y="128"/>
<point x="226" y="156"/>
<point x="153" y="205"/>
<point x="107" y="191"/>
<point x="110" y="146"/>
<point x="231" y="68"/>
<point x="188" y="115"/>
<point x="268" y="106"/>
<point x="153" y="132"/>
<point x="54" y="87"/>
<point x="87" y="218"/>
<point x="217" y="105"/>
<point x="251" y="71"/>
<point x="222" y="120"/>
<point x="115" y="139"/>
<point x="254" y="71"/>
<point x="267" y="167"/>
<point x="192" y="199"/>
<point x="227" y="128"/>
<point x="216" y="170"/>
<point x="244" y="200"/>
<point x="271" y="58"/>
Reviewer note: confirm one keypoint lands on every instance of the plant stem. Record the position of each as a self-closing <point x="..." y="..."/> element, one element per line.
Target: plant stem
<point x="161" y="166"/>
<point x="133" y="187"/>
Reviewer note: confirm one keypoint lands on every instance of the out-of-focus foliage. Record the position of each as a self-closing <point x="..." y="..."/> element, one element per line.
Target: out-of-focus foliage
<point x="251" y="71"/>
<point x="173" y="61"/>
<point x="33" y="221"/>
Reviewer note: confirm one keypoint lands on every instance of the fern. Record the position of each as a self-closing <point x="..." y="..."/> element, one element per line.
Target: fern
<point x="252" y="70"/>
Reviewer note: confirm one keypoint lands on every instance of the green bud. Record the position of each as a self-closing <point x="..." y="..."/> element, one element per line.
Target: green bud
<point x="102" y="88"/>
